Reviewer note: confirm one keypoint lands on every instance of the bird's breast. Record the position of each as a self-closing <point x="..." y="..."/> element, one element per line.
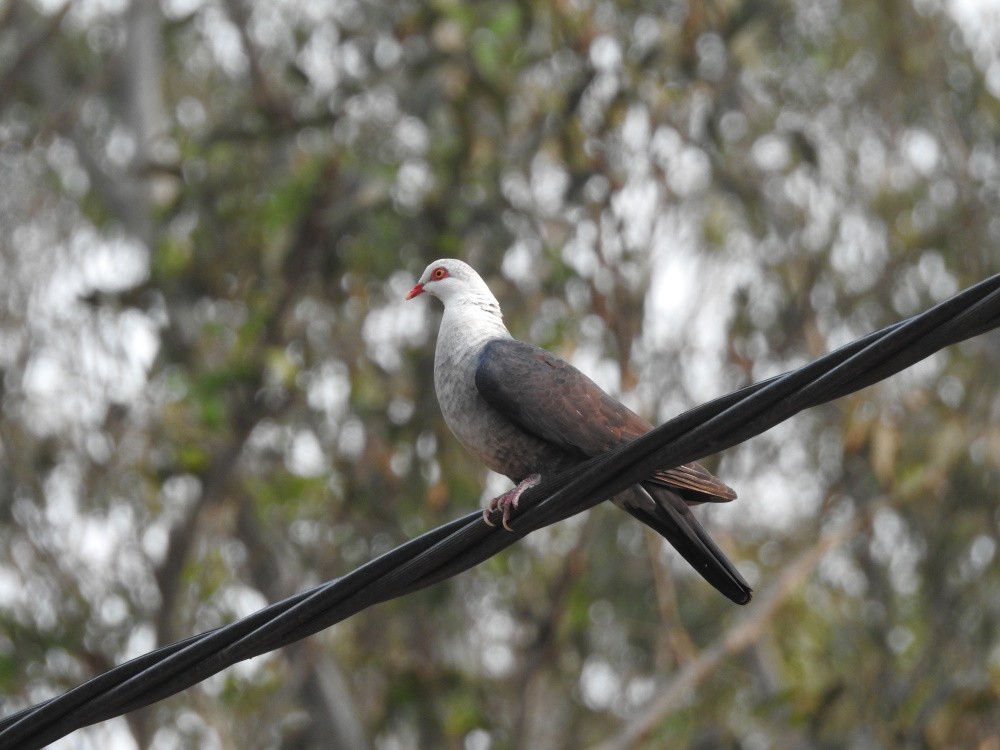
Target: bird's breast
<point x="486" y="433"/>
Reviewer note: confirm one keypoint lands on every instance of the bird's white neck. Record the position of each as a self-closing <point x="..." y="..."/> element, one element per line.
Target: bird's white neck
<point x="466" y="327"/>
<point x="470" y="322"/>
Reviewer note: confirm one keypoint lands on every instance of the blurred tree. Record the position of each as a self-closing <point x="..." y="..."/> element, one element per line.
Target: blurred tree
<point x="213" y="395"/>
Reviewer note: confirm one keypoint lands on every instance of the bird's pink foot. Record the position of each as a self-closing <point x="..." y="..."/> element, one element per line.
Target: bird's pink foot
<point x="507" y="502"/>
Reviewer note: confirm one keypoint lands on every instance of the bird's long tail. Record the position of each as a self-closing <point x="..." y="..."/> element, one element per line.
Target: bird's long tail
<point x="669" y="516"/>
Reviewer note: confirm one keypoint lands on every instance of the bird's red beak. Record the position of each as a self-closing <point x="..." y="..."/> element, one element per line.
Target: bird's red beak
<point x="417" y="289"/>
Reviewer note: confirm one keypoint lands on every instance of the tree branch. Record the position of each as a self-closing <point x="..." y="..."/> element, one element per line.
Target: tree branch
<point x="743" y="635"/>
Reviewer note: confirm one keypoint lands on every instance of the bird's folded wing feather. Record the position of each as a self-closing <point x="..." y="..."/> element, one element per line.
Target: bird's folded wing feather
<point x="549" y="398"/>
<point x="697" y="479"/>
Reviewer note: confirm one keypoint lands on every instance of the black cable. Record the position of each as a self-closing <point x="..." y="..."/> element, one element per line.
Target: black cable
<point x="467" y="541"/>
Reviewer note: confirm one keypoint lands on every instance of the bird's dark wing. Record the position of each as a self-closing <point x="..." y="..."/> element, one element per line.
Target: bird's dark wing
<point x="554" y="401"/>
<point x="696" y="483"/>
<point x="549" y="398"/>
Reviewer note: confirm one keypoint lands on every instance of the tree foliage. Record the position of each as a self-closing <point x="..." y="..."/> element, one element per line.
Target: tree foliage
<point x="214" y="396"/>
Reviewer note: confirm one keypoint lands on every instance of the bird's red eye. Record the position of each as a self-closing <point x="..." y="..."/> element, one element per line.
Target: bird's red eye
<point x="439" y="273"/>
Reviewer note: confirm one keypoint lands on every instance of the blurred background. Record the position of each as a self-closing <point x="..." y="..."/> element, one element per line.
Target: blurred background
<point x="214" y="396"/>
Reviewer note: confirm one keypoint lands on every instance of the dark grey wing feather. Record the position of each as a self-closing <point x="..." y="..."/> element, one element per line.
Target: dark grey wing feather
<point x="557" y="403"/>
<point x="554" y="401"/>
<point x="551" y="399"/>
<point x="696" y="484"/>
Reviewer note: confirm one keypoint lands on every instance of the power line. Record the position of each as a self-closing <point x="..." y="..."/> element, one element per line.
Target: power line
<point x="467" y="541"/>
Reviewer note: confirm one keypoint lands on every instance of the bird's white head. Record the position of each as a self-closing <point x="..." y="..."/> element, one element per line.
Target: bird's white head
<point x="453" y="281"/>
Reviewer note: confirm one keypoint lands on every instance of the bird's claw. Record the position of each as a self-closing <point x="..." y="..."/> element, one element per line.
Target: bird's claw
<point x="503" y="503"/>
<point x="507" y="502"/>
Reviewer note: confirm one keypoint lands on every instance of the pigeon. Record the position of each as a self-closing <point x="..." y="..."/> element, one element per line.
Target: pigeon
<point x="525" y="412"/>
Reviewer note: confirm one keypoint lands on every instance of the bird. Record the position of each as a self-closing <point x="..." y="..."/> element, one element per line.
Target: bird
<point x="525" y="412"/>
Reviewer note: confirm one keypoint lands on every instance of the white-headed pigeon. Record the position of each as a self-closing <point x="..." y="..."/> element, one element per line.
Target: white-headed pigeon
<point x="525" y="412"/>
